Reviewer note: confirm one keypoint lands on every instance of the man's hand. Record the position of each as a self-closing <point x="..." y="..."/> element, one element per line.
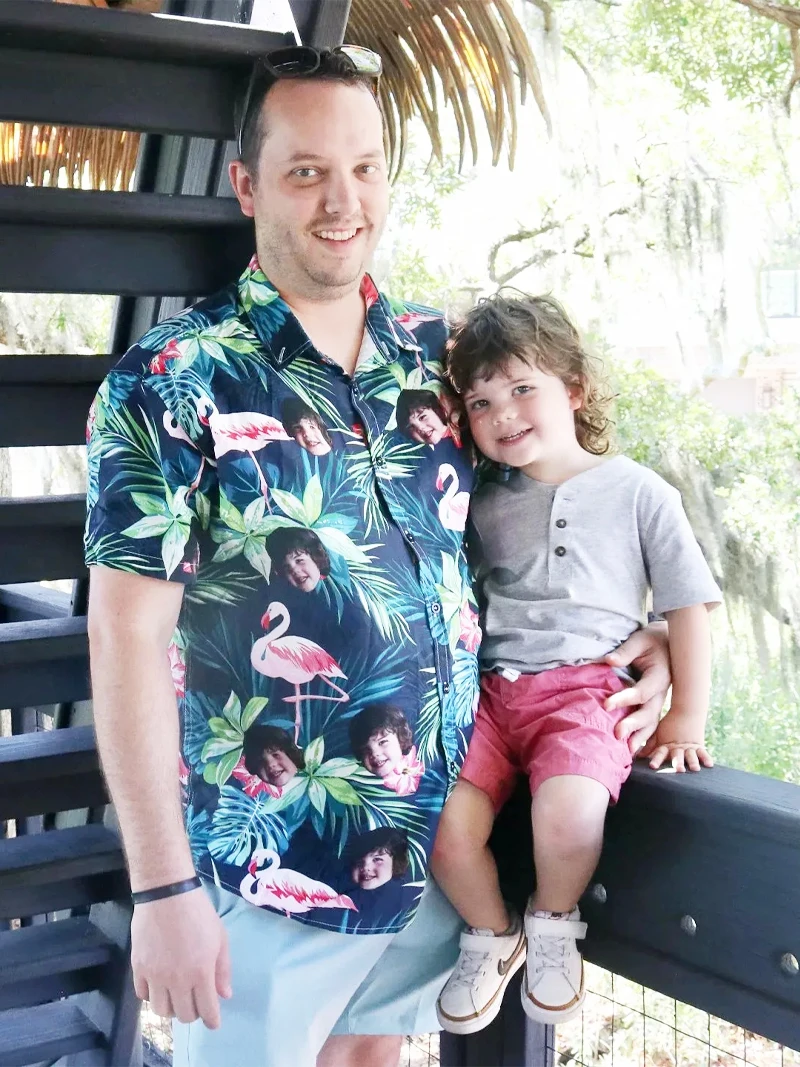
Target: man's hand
<point x="179" y="954"/>
<point x="648" y="650"/>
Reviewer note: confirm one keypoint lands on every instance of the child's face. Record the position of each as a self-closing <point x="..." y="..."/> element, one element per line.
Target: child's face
<point x="374" y="869"/>
<point x="382" y="752"/>
<point x="301" y="571"/>
<point x="522" y="414"/>
<point x="276" y="767"/>
<point x="425" y="427"/>
<point x="308" y="434"/>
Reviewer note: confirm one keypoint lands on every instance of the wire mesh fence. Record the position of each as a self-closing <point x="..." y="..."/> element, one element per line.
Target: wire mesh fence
<point x="626" y="1025"/>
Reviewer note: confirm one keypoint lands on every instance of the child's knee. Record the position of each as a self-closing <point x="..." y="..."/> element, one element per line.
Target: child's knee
<point x="569" y="824"/>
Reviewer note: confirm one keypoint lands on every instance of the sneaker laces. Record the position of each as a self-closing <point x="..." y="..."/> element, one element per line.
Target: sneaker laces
<point x="551" y="951"/>
<point x="470" y="967"/>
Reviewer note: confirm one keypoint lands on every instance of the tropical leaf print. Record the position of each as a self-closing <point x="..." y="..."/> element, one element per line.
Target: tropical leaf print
<point x="243" y="534"/>
<point x="387" y="616"/>
<point x="170" y="519"/>
<point x="223" y="750"/>
<point x="312" y="385"/>
<point x="465" y="685"/>
<point x="381" y="462"/>
<point x="198" y="829"/>
<point x="242" y="824"/>
<point x="228" y="345"/>
<point x="255" y="291"/>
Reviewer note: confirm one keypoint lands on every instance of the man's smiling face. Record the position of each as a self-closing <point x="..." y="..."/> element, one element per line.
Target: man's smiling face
<point x="321" y="192"/>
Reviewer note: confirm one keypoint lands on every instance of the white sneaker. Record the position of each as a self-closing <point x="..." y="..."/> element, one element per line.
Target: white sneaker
<point x="553" y="989"/>
<point x="474" y="991"/>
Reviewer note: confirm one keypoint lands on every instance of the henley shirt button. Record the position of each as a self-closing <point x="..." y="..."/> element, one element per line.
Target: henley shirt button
<point x="561" y="551"/>
<point x="436" y="607"/>
<point x="561" y="523"/>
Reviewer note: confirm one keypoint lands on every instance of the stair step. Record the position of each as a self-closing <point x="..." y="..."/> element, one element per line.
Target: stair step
<point x="44" y="661"/>
<point x="60" y="869"/>
<point x="52" y="960"/>
<point x="49" y="771"/>
<point x="47" y="1032"/>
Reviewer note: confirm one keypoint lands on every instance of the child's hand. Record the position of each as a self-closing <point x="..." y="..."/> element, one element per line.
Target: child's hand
<point x="670" y="745"/>
<point x="682" y="755"/>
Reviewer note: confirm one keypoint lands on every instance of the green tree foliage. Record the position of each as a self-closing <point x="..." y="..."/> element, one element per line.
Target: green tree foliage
<point x="700" y="46"/>
<point x="738" y="477"/>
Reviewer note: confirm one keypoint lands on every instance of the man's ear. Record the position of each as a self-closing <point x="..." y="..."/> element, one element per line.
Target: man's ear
<point x="242" y="185"/>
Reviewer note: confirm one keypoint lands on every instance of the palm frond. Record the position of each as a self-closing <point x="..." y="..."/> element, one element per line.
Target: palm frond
<point x="436" y="53"/>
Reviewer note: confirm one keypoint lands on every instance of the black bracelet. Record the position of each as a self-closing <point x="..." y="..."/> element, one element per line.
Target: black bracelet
<point x="171" y="890"/>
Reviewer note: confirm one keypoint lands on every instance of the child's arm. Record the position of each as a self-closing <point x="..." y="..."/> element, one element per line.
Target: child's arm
<point x="680" y="738"/>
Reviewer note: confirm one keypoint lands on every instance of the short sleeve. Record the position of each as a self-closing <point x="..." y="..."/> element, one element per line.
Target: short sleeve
<point x="147" y="498"/>
<point x="677" y="570"/>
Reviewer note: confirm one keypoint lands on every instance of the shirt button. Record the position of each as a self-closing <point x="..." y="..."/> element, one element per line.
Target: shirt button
<point x="561" y="523"/>
<point x="445" y="687"/>
<point x="436" y="607"/>
<point x="409" y="537"/>
<point x="380" y="462"/>
<point x="561" y="551"/>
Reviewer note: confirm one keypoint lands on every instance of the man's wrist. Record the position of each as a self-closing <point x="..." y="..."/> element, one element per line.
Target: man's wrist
<point x="162" y="892"/>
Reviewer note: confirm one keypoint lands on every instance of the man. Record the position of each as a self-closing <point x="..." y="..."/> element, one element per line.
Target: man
<point x="191" y="471"/>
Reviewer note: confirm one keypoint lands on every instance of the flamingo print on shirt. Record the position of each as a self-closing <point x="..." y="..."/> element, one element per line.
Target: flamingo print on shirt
<point x="192" y="472"/>
<point x="296" y="660"/>
<point x="453" y="506"/>
<point x="286" y="890"/>
<point x="241" y="431"/>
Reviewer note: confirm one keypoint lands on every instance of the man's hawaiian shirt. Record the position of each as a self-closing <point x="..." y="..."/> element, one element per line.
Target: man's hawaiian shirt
<point x="325" y="658"/>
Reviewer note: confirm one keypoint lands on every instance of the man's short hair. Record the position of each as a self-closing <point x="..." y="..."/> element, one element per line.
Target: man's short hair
<point x="333" y="67"/>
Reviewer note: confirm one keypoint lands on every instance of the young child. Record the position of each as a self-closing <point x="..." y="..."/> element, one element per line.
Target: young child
<point x="565" y="552"/>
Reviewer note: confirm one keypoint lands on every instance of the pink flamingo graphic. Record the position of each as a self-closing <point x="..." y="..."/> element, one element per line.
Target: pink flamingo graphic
<point x="174" y="429"/>
<point x="295" y="659"/>
<point x="287" y="890"/>
<point x="241" y="431"/>
<point x="453" y="506"/>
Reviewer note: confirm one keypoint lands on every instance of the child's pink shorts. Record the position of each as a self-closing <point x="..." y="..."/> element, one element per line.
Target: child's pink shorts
<point x="547" y="724"/>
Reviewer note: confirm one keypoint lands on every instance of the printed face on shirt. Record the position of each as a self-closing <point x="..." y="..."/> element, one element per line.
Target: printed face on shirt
<point x="276" y="767"/>
<point x="373" y="870"/>
<point x="522" y="415"/>
<point x="382" y="752"/>
<point x="425" y="427"/>
<point x="321" y="192"/>
<point x="309" y="436"/>
<point x="301" y="571"/>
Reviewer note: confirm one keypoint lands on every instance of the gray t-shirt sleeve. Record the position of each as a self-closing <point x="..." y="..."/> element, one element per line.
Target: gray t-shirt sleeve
<point x="678" y="573"/>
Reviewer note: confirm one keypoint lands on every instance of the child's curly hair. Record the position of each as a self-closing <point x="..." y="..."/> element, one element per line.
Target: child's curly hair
<point x="537" y="330"/>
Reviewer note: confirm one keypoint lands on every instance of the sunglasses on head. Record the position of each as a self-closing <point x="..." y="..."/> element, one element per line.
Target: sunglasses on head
<point x="303" y="61"/>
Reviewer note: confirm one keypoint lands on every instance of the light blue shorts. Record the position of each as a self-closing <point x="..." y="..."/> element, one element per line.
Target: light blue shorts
<point x="295" y="985"/>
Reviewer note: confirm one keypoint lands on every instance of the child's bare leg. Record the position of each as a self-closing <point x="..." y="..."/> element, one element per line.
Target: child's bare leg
<point x="568" y="814"/>
<point x="462" y="863"/>
<point x="494" y="948"/>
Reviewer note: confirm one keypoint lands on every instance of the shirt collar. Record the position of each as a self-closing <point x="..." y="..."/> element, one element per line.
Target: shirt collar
<point x="279" y="330"/>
